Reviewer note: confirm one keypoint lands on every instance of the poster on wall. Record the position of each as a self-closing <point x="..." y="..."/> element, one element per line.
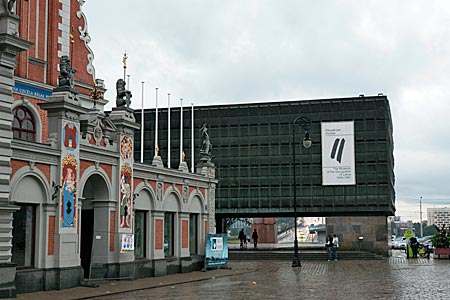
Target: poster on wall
<point x="126" y="182"/>
<point x="127" y="243"/>
<point x="216" y="250"/>
<point x="69" y="174"/>
<point x="338" y="153"/>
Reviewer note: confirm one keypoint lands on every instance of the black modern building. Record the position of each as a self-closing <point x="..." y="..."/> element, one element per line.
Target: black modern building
<point x="253" y="155"/>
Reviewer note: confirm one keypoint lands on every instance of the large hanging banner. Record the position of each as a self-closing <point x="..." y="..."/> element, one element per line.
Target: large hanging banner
<point x="338" y="153"/>
<point x="70" y="161"/>
<point x="216" y="250"/>
<point x="126" y="182"/>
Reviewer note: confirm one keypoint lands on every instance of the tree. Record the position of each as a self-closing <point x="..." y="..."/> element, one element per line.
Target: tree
<point x="429" y="230"/>
<point x="227" y="222"/>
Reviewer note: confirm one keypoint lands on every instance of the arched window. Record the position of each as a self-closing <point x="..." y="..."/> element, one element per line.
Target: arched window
<point x="23" y="126"/>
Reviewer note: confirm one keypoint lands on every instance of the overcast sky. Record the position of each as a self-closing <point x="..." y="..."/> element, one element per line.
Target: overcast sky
<point x="240" y="51"/>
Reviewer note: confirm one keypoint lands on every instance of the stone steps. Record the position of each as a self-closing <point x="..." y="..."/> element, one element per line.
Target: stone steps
<point x="303" y="255"/>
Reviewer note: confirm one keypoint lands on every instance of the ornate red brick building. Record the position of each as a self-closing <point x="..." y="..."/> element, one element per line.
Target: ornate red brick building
<point x="74" y="204"/>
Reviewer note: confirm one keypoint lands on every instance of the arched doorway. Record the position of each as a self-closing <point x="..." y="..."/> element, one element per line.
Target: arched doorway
<point x="95" y="189"/>
<point x="28" y="193"/>
<point x="144" y="204"/>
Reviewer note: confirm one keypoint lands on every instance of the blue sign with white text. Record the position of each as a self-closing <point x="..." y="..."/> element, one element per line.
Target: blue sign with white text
<point x="31" y="91"/>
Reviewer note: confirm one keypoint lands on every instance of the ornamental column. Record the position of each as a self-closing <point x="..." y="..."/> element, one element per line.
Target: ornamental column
<point x="122" y="116"/>
<point x="10" y="46"/>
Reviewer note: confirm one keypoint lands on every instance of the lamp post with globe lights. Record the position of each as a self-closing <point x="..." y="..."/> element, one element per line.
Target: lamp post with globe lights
<point x="305" y="123"/>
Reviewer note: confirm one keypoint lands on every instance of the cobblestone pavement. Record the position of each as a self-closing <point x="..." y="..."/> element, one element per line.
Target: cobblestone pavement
<point x="394" y="278"/>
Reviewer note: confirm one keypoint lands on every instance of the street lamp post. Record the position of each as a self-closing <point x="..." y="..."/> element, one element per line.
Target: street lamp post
<point x="305" y="123"/>
<point x="421" y="226"/>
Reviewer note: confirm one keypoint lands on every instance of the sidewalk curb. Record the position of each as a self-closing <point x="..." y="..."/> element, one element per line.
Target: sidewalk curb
<point x="80" y="293"/>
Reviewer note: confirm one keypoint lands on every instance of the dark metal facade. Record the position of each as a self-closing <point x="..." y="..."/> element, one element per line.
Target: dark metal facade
<point x="253" y="156"/>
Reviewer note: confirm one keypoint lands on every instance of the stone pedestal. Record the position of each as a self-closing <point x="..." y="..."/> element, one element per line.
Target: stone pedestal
<point x="209" y="170"/>
<point x="157" y="162"/>
<point x="360" y="233"/>
<point x="61" y="106"/>
<point x="206" y="169"/>
<point x="183" y="167"/>
<point x="266" y="228"/>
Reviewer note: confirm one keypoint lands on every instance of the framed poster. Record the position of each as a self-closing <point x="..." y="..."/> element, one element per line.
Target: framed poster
<point x="216" y="250"/>
<point x="338" y="153"/>
<point x="127" y="243"/>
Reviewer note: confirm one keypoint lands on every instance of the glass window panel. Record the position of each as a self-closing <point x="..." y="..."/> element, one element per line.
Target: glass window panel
<point x="20" y="113"/>
<point x="193" y="232"/>
<point x="29" y="136"/>
<point x="23" y="236"/>
<point x="168" y="234"/>
<point x="139" y="230"/>
<point x="23" y="124"/>
<point x="28" y="125"/>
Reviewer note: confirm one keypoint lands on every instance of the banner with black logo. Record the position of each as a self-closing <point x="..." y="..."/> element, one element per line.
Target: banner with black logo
<point x="338" y="153"/>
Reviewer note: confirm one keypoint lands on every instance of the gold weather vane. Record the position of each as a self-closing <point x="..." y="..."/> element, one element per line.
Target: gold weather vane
<point x="124" y="61"/>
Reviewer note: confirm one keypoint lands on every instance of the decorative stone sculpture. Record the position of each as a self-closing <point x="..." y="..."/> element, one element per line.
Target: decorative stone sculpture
<point x="205" y="149"/>
<point x="66" y="73"/>
<point x="7" y="6"/>
<point x="123" y="96"/>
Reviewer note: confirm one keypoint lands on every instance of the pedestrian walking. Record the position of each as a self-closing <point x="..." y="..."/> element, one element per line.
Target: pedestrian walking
<point x="329" y="246"/>
<point x="241" y="238"/>
<point x="335" y="246"/>
<point x="414" y="244"/>
<point x="245" y="241"/>
<point x="255" y="238"/>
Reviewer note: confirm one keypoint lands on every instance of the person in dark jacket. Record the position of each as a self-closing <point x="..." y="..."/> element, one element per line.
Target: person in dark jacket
<point x="414" y="244"/>
<point x="255" y="238"/>
<point x="241" y="237"/>
<point x="329" y="245"/>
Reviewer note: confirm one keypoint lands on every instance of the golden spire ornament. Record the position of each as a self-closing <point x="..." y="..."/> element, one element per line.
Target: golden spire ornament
<point x="96" y="94"/>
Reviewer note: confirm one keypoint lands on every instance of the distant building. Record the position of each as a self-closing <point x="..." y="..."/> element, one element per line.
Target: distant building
<point x="438" y="216"/>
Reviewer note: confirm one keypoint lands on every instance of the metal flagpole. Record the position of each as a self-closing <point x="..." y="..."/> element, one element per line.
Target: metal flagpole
<point x="128" y="82"/>
<point x="168" y="130"/>
<point x="142" y="125"/>
<point x="156" y="125"/>
<point x="181" y="130"/>
<point x="192" y="137"/>
<point x="421" y="226"/>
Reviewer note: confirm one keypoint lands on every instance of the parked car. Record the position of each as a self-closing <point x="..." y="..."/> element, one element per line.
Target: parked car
<point x="399" y="243"/>
<point x="424" y="239"/>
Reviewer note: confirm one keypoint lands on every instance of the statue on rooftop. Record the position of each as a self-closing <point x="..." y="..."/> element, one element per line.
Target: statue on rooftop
<point x="123" y="96"/>
<point x="66" y="72"/>
<point x="8" y="6"/>
<point x="205" y="149"/>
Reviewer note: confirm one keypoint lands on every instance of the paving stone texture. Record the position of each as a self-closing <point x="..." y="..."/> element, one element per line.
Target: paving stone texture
<point x="393" y="278"/>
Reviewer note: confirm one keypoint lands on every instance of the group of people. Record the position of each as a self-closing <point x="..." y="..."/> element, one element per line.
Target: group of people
<point x="243" y="239"/>
<point x="332" y="246"/>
